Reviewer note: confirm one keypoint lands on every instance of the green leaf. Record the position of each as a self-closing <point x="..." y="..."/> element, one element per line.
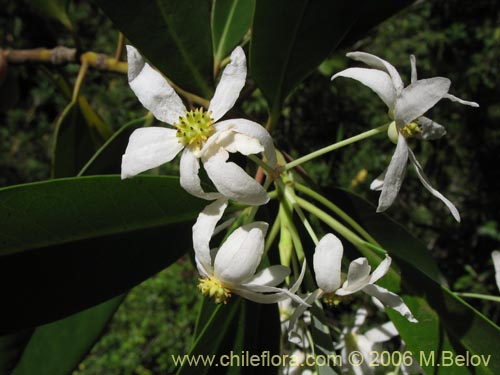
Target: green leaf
<point x="292" y="37"/>
<point x="74" y="142"/>
<point x="11" y="348"/>
<point x="58" y="347"/>
<point x="173" y="34"/>
<point x="447" y="324"/>
<point x="69" y="244"/>
<point x="55" y="9"/>
<point x="231" y="20"/>
<point x="108" y="159"/>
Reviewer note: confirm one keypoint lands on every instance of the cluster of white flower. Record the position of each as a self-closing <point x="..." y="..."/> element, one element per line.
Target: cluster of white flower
<point x="232" y="268"/>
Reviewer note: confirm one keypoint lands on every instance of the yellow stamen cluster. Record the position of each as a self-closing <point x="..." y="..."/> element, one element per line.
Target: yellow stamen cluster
<point x="194" y="128"/>
<point x="333" y="300"/>
<point x="411" y="129"/>
<point x="214" y="289"/>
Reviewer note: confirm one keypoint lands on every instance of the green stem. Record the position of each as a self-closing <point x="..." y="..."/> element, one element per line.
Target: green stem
<point x="261" y="163"/>
<point x="272" y="234"/>
<point x="331" y="222"/>
<point x="479" y="296"/>
<point x="335" y="146"/>
<point x="337" y="210"/>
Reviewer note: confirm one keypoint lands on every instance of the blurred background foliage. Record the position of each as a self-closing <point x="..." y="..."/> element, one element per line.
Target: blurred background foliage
<point x="457" y="39"/>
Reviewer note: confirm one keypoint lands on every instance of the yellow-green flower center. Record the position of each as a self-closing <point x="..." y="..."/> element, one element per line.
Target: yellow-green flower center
<point x="214" y="289"/>
<point x="194" y="128"/>
<point x="410" y="130"/>
<point x="333" y="300"/>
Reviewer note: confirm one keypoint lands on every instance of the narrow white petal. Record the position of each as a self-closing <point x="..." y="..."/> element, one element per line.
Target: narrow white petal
<point x="418" y="98"/>
<point x="327" y="261"/>
<point x="149" y="148"/>
<point x="253" y="130"/>
<point x="203" y="230"/>
<point x="425" y="181"/>
<point x="229" y="87"/>
<point x="359" y="318"/>
<point x="189" y="167"/>
<point x="293" y="335"/>
<point x="296" y="284"/>
<point x="453" y="98"/>
<point x="391" y="300"/>
<point x="430" y="130"/>
<point x="358" y="276"/>
<point x="382" y="333"/>
<point x="239" y="256"/>
<point x="379" y="81"/>
<point x="378" y="183"/>
<point x="276" y="291"/>
<point x="413" y="63"/>
<point x="495" y="255"/>
<point x="394" y="175"/>
<point x="378" y="63"/>
<point x="232" y="181"/>
<point x="270" y="276"/>
<point x="152" y="90"/>
<point x="259" y="297"/>
<point x="381" y="269"/>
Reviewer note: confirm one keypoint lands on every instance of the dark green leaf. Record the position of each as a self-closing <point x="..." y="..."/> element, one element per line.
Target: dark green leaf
<point x="292" y="37"/>
<point x="74" y="142"/>
<point x="173" y="34"/>
<point x="58" y="347"/>
<point x="446" y="322"/>
<point x="69" y="244"/>
<point x="11" y="348"/>
<point x="231" y="20"/>
<point x="107" y="160"/>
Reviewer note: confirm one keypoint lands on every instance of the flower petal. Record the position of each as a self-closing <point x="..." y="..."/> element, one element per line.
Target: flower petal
<point x="381" y="269"/>
<point x="272" y="289"/>
<point x="382" y="333"/>
<point x="379" y="81"/>
<point x="230" y="84"/>
<point x="495" y="255"/>
<point x="152" y="90"/>
<point x="296" y="284"/>
<point x="413" y="63"/>
<point x="425" y="181"/>
<point x="378" y="183"/>
<point x="203" y="230"/>
<point x="430" y="130"/>
<point x="253" y="130"/>
<point x="358" y="276"/>
<point x="453" y="98"/>
<point x="270" y="276"/>
<point x="259" y="297"/>
<point x="418" y="98"/>
<point x="359" y="318"/>
<point x="391" y="300"/>
<point x="378" y="63"/>
<point x="293" y="335"/>
<point x="232" y="181"/>
<point x="149" y="148"/>
<point x="233" y="142"/>
<point x="239" y="256"/>
<point x="327" y="261"/>
<point x="189" y="179"/>
<point x="394" y="175"/>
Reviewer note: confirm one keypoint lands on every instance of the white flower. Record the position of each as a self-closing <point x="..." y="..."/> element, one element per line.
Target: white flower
<point x="366" y="344"/>
<point x="406" y="106"/>
<point x="327" y="261"/>
<point x="495" y="255"/>
<point x="232" y="267"/>
<point x="197" y="133"/>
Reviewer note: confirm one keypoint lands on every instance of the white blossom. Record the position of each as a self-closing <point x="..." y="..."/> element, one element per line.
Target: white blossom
<point x="407" y="106"/>
<point x="327" y="262"/>
<point x="495" y="255"/>
<point x="232" y="267"/>
<point x="197" y="133"/>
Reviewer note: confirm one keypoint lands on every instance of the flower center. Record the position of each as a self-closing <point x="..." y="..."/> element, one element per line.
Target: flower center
<point x="213" y="288"/>
<point x="333" y="300"/>
<point x="194" y="128"/>
<point x="410" y="130"/>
